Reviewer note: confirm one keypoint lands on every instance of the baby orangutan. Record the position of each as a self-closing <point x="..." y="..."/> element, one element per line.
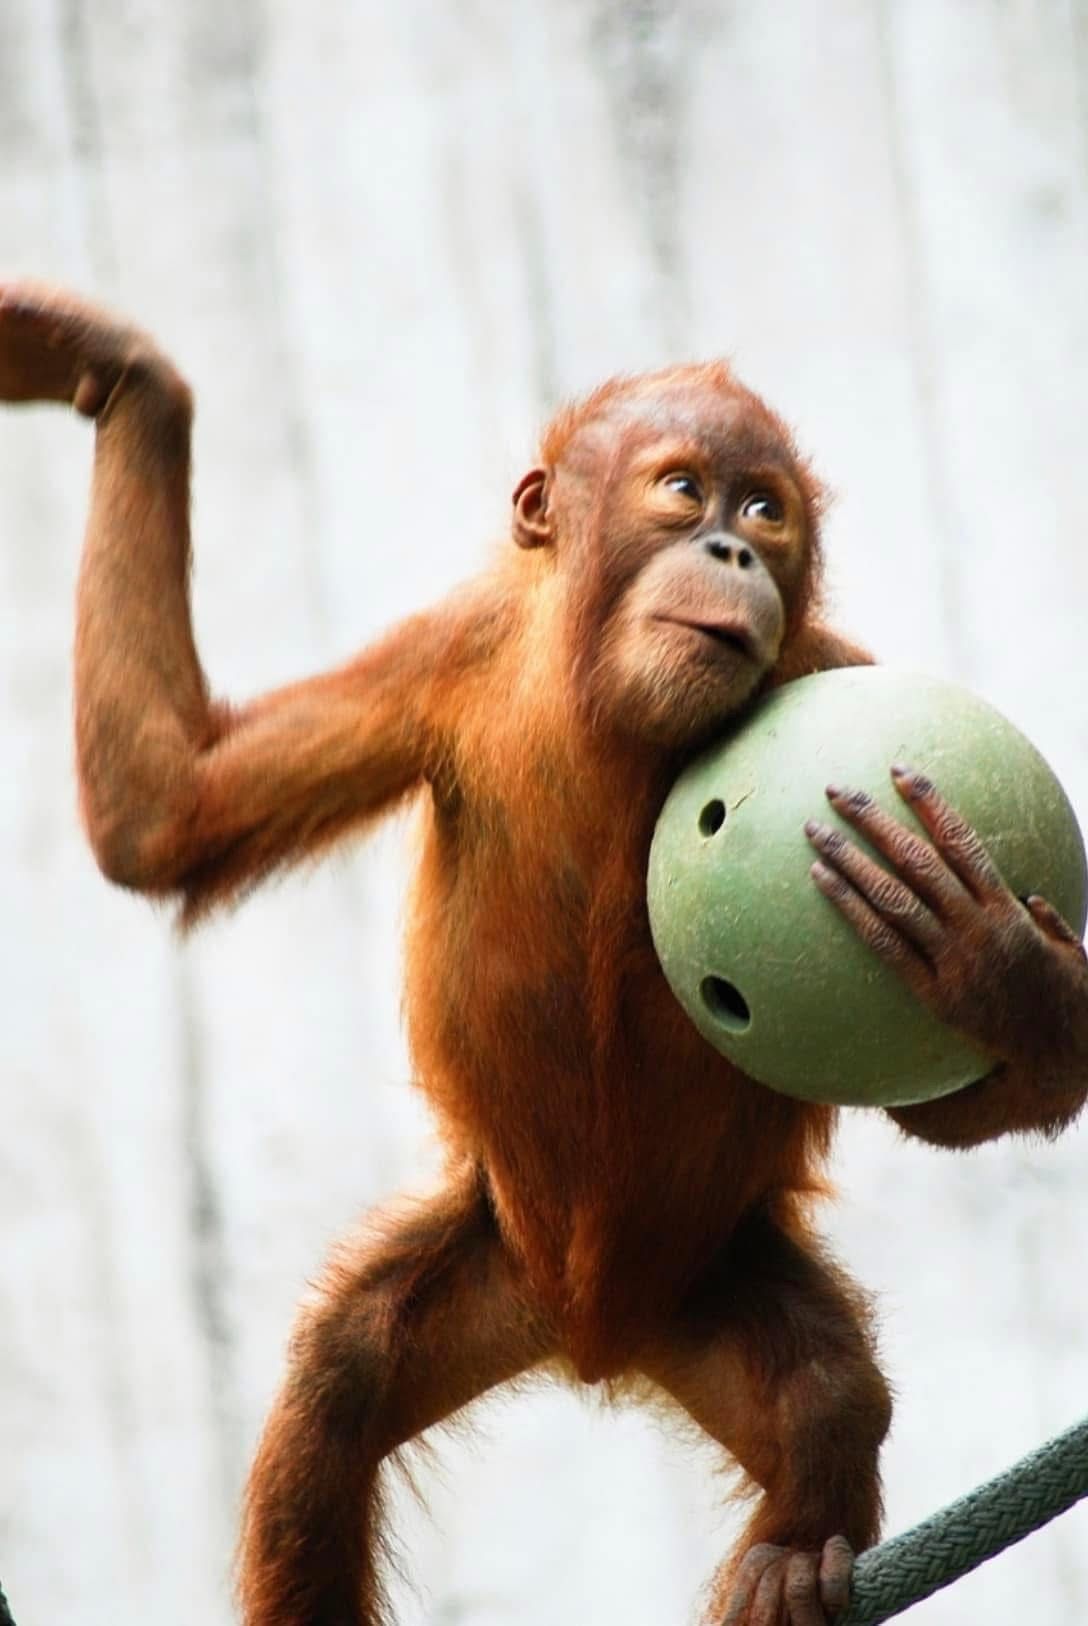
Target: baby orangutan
<point x="619" y="1200"/>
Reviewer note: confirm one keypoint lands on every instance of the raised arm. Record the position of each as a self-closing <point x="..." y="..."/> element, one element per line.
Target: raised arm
<point x="181" y="794"/>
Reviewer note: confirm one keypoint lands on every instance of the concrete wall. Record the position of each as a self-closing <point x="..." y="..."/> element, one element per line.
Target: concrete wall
<point x="383" y="240"/>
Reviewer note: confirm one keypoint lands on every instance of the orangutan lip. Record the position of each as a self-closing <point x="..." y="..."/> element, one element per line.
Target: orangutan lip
<point x="730" y="637"/>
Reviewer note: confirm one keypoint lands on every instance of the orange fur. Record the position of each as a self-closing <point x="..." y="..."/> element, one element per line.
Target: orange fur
<point x="621" y="1200"/>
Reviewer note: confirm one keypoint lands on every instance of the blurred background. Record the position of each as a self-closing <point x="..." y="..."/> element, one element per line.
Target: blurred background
<point x="383" y="240"/>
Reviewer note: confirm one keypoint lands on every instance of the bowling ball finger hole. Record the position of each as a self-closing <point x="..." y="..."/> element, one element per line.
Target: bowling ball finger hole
<point x="712" y="817"/>
<point x="726" y="1003"/>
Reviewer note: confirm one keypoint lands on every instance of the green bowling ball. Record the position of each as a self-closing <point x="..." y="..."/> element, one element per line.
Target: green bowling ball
<point x="765" y="966"/>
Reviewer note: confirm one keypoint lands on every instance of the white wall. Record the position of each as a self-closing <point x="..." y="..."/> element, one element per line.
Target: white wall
<point x="382" y="240"/>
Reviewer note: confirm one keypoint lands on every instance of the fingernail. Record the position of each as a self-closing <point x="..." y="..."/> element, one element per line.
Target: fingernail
<point x="901" y="771"/>
<point x="813" y="827"/>
<point x="834" y="790"/>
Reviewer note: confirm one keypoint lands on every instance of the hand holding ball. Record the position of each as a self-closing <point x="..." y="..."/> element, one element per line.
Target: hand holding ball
<point x="768" y="970"/>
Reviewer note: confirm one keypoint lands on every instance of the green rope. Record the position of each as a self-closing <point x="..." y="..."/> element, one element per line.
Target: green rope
<point x="903" y="1571"/>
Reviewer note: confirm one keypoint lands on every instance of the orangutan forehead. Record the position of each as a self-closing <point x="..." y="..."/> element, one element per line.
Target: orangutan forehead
<point x="704" y="419"/>
<point x="700" y="411"/>
<point x="701" y="415"/>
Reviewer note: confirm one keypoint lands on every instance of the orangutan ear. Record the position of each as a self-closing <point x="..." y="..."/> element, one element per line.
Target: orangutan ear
<point x="532" y="527"/>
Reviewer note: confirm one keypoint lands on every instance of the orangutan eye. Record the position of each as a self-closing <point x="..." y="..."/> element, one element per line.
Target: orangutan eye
<point x="762" y="506"/>
<point x="685" y="485"/>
